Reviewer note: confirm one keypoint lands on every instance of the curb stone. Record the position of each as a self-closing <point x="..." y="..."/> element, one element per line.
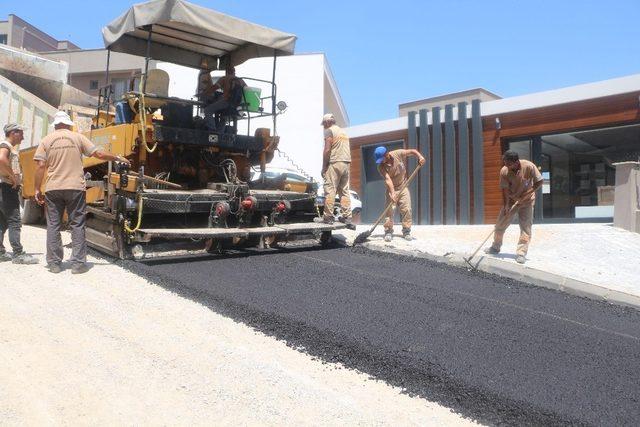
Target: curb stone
<point x="522" y="273"/>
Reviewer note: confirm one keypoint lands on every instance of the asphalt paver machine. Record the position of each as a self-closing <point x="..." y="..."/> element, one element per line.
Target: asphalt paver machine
<point x="188" y="188"/>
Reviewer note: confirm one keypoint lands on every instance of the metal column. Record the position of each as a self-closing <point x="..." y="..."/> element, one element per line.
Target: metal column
<point x="478" y="162"/>
<point x="451" y="171"/>
<point x="424" y="176"/>
<point x="463" y="165"/>
<point x="436" y="200"/>
<point x="412" y="144"/>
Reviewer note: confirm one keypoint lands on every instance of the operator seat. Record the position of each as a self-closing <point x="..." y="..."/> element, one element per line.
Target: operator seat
<point x="157" y="84"/>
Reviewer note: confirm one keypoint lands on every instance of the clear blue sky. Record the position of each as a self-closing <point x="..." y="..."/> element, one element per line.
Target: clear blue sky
<point x="383" y="53"/>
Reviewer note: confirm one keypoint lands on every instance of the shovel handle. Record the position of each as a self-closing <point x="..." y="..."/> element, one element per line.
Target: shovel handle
<point x="402" y="187"/>
<point x="506" y="220"/>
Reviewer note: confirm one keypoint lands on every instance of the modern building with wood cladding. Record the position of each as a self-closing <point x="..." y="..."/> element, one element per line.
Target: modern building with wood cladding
<point x="574" y="135"/>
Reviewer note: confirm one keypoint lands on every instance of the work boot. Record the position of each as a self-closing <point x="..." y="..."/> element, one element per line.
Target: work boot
<point x="324" y="219"/>
<point x="79" y="268"/>
<point x="347" y="222"/>
<point x="491" y="251"/>
<point x="406" y="234"/>
<point x="520" y="259"/>
<point x="388" y="236"/>
<point x="54" y="268"/>
<point x="5" y="257"/>
<point x="24" y="259"/>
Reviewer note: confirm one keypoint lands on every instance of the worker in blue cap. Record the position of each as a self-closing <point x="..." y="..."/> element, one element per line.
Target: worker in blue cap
<point x="392" y="167"/>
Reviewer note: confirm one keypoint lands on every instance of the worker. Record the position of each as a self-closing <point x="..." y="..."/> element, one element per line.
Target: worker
<point x="519" y="181"/>
<point x="391" y="165"/>
<point x="336" y="165"/>
<point x="10" y="180"/>
<point x="60" y="153"/>
<point x="231" y="97"/>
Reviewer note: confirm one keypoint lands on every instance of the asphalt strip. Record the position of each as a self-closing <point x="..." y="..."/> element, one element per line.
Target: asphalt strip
<point x="430" y="381"/>
<point x="467" y="294"/>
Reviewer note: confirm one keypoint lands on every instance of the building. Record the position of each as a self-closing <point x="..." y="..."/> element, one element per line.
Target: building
<point x="449" y="98"/>
<point x="573" y="134"/>
<point x="86" y="66"/>
<point x="87" y="69"/>
<point x="18" y="33"/>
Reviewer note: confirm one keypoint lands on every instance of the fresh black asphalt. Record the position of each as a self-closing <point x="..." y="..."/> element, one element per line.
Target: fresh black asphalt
<point x="492" y="349"/>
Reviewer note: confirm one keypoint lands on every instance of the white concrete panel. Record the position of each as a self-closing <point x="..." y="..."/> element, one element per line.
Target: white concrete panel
<point x="300" y="83"/>
<point x="594" y="211"/>
<point x="4" y="105"/>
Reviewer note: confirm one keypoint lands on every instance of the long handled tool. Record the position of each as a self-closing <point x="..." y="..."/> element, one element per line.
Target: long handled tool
<point x="157" y="181"/>
<point x="362" y="237"/>
<point x="505" y="220"/>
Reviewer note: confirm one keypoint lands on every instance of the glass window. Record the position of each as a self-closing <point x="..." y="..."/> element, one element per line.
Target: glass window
<point x="578" y="171"/>
<point x="93" y="85"/>
<point x="3" y="39"/>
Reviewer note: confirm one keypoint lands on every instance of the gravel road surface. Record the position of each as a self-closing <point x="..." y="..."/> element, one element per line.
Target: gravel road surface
<point x="110" y="348"/>
<point x="493" y="349"/>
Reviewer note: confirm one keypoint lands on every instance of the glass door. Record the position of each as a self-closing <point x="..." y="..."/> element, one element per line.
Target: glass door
<point x="372" y="184"/>
<point x="531" y="149"/>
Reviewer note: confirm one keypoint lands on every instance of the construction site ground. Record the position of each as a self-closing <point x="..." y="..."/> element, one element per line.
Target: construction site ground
<point x="306" y="335"/>
<point x="110" y="347"/>
<point x="593" y="260"/>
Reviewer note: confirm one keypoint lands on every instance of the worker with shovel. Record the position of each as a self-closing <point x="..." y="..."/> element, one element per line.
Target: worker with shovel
<point x="391" y="165"/>
<point x="519" y="181"/>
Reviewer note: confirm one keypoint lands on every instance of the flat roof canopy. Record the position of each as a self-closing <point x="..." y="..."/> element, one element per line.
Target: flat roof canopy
<point x="186" y="34"/>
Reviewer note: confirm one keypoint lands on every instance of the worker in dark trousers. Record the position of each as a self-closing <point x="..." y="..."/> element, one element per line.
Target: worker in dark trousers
<point x="519" y="181"/>
<point x="60" y="155"/>
<point x="10" y="180"/>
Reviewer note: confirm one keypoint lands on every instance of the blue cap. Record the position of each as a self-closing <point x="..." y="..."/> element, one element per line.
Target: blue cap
<point x="380" y="153"/>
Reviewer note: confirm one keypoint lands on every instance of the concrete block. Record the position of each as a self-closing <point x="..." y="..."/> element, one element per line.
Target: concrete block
<point x="501" y="268"/>
<point x="542" y="278"/>
<point x="623" y="298"/>
<point x="584" y="289"/>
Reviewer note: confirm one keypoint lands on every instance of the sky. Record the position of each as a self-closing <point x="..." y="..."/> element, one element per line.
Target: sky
<point x="383" y="53"/>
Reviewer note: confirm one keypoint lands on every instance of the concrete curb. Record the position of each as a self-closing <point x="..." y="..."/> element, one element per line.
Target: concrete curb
<point x="518" y="272"/>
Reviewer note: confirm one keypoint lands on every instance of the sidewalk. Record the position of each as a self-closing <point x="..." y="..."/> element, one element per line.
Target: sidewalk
<point x="592" y="260"/>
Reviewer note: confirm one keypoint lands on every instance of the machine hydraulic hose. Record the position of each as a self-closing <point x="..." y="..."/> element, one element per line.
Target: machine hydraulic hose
<point x="139" y="221"/>
<point x="143" y="118"/>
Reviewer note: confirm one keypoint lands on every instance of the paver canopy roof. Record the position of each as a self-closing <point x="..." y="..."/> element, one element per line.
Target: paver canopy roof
<point x="190" y="35"/>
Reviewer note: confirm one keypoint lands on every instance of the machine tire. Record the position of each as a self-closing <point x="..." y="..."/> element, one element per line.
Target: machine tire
<point x="32" y="213"/>
<point x="325" y="238"/>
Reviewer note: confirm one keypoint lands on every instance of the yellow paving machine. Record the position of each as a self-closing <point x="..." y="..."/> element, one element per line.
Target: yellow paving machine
<point x="188" y="188"/>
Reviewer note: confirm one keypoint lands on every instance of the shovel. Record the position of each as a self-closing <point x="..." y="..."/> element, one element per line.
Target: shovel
<point x="362" y="237"/>
<point x="506" y="220"/>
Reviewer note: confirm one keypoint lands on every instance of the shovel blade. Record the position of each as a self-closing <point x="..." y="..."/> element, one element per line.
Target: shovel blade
<point x="361" y="238"/>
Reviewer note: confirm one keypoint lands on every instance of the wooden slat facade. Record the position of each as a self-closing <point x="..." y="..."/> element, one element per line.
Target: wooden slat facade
<point x="594" y="113"/>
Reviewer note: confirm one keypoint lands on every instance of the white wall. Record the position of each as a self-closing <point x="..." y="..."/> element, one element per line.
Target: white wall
<point x="300" y="82"/>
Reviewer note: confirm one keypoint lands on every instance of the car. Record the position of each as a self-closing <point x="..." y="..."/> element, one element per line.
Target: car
<point x="291" y="178"/>
<point x="283" y="178"/>
<point x="356" y="204"/>
<point x="278" y="173"/>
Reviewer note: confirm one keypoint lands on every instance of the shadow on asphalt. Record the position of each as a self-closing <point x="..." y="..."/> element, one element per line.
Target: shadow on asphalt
<point x="242" y="253"/>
